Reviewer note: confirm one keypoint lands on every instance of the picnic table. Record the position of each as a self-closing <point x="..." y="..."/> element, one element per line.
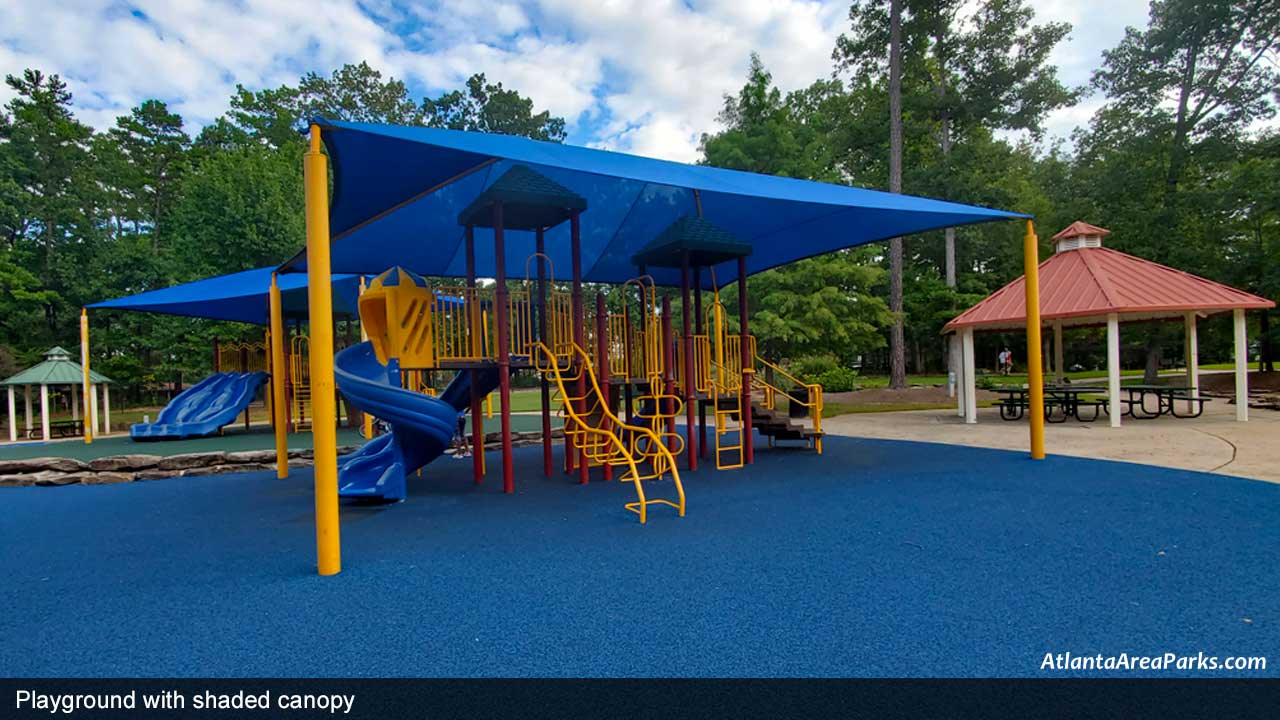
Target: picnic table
<point x="1064" y="401"/>
<point x="59" y="428"/>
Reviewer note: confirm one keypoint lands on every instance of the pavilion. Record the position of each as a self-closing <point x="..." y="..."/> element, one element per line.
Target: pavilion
<point x="57" y="369"/>
<point x="1084" y="284"/>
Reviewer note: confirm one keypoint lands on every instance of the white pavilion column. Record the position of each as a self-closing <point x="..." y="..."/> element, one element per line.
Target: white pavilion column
<point x="1058" y="371"/>
<point x="44" y="412"/>
<point x="92" y="410"/>
<point x="1242" y="368"/>
<point x="26" y="400"/>
<point x="970" y="379"/>
<point x="13" y="416"/>
<point x="1113" y="368"/>
<point x="1193" y="358"/>
<point x="106" y="409"/>
<point x="75" y="405"/>
<point x="957" y="366"/>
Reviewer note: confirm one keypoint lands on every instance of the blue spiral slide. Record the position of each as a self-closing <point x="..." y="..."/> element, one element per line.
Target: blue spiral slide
<point x="421" y="426"/>
<point x="203" y="408"/>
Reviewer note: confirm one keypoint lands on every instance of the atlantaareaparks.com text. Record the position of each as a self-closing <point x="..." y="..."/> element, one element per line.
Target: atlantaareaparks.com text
<point x="1165" y="661"/>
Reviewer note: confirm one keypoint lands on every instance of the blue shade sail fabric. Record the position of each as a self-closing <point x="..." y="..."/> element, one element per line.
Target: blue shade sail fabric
<point x="238" y="297"/>
<point x="398" y="192"/>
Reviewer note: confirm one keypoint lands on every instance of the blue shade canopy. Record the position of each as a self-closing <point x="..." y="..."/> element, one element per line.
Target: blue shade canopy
<point x="239" y="297"/>
<point x="398" y="193"/>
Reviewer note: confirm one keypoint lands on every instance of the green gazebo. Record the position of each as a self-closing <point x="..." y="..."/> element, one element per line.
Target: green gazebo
<point x="57" y="369"/>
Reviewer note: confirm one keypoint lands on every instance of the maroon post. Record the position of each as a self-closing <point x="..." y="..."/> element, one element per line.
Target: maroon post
<point x="503" y="319"/>
<point x="669" y="373"/>
<point x="690" y="435"/>
<point x="748" y="442"/>
<point x="602" y="359"/>
<point x="477" y="342"/>
<point x="579" y="332"/>
<point x="542" y="336"/>
<point x="697" y="323"/>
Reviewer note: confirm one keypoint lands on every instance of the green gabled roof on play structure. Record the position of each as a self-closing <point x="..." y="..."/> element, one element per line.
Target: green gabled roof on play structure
<point x="529" y="200"/>
<point x="57" y="369"/>
<point x="707" y="244"/>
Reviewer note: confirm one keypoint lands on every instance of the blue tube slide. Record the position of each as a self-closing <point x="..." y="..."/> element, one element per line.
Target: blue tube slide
<point x="203" y="408"/>
<point x="421" y="426"/>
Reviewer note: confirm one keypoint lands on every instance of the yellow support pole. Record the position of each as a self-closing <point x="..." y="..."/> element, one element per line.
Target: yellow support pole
<point x="87" y="389"/>
<point x="364" y="336"/>
<point x="1035" y="365"/>
<point x="324" y="430"/>
<point x="279" y="408"/>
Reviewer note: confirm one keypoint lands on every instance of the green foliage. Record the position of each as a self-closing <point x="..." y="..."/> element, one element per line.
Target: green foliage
<point x="86" y="216"/>
<point x="838" y="379"/>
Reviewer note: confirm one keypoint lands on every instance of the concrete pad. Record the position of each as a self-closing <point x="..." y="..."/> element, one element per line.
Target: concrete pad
<point x="1214" y="442"/>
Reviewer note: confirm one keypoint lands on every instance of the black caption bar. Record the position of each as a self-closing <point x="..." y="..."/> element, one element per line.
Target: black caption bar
<point x="658" y="698"/>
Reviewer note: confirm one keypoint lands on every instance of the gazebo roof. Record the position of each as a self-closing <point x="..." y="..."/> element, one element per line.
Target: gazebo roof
<point x="57" y="369"/>
<point x="1083" y="285"/>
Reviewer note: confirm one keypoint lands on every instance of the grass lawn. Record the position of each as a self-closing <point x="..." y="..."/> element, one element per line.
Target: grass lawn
<point x="833" y="409"/>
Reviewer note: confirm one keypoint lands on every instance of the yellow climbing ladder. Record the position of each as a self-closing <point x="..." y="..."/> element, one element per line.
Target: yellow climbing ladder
<point x="605" y="439"/>
<point x="300" y="381"/>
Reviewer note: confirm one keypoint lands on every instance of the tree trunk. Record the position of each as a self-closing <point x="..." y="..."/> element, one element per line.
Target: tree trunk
<point x="1151" y="371"/>
<point x="897" y="360"/>
<point x="1266" y="363"/>
<point x="1178" y="151"/>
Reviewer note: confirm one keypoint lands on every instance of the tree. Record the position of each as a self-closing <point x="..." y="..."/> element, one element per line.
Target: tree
<point x="49" y="189"/>
<point x="1211" y="56"/>
<point x="986" y="69"/>
<point x="147" y="149"/>
<point x="488" y="107"/>
<point x="897" y="340"/>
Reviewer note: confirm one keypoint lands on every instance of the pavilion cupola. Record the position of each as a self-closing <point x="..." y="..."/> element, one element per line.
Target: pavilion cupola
<point x="1079" y="234"/>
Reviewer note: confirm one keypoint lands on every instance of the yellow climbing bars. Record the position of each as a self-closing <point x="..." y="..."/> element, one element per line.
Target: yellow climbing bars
<point x="603" y="437"/>
<point x="300" y="381"/>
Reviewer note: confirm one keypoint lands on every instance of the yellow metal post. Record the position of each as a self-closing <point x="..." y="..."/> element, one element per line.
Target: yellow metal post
<point x="364" y="336"/>
<point x="324" y="430"/>
<point x="279" y="408"/>
<point x="1035" y="365"/>
<point x="84" y="365"/>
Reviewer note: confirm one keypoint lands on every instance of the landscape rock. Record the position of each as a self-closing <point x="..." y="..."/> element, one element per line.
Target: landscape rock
<point x="192" y="460"/>
<point x="210" y="470"/>
<point x="18" y="480"/>
<point x="35" y="465"/>
<point x="156" y="474"/>
<point x="251" y="456"/>
<point x="53" y="478"/>
<point x="106" y="478"/>
<point x="124" y="462"/>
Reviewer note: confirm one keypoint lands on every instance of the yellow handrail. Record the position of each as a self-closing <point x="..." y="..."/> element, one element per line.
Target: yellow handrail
<point x="815" y="402"/>
<point x="604" y="443"/>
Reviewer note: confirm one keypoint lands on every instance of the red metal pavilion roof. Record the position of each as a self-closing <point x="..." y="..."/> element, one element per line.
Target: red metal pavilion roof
<point x="1083" y="285"/>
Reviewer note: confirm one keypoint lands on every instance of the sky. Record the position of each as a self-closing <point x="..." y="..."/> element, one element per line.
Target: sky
<point x="641" y="76"/>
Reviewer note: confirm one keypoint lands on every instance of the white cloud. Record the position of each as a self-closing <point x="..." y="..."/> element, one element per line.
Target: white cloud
<point x="645" y="76"/>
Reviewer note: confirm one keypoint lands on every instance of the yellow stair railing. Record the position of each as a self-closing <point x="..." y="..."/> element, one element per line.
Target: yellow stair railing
<point x="772" y="392"/>
<point x="300" y="381"/>
<point x="603" y="437"/>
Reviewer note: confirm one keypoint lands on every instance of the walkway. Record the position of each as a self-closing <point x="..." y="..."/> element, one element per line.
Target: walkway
<point x="1214" y="442"/>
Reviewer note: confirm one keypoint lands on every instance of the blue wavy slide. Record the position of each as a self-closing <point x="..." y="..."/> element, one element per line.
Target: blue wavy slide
<point x="421" y="426"/>
<point x="203" y="408"/>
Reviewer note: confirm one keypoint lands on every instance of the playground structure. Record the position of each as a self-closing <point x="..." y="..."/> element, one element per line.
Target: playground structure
<point x="618" y="380"/>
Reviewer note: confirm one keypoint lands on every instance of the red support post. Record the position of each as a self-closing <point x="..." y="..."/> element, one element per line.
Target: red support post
<point x="502" y="318"/>
<point x="579" y="320"/>
<point x="748" y="442"/>
<point x="477" y="342"/>
<point x="542" y="336"/>
<point x="690" y="436"/>
<point x="602" y="360"/>
<point x="669" y="373"/>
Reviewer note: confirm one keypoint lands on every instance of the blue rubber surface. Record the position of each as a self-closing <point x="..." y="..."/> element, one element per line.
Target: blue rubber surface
<point x="878" y="558"/>
<point x="203" y="408"/>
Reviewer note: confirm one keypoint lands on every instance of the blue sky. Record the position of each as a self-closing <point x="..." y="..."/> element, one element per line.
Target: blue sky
<point x="645" y="76"/>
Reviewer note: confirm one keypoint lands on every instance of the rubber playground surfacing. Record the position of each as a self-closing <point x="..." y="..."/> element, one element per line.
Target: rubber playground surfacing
<point x="879" y="558"/>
